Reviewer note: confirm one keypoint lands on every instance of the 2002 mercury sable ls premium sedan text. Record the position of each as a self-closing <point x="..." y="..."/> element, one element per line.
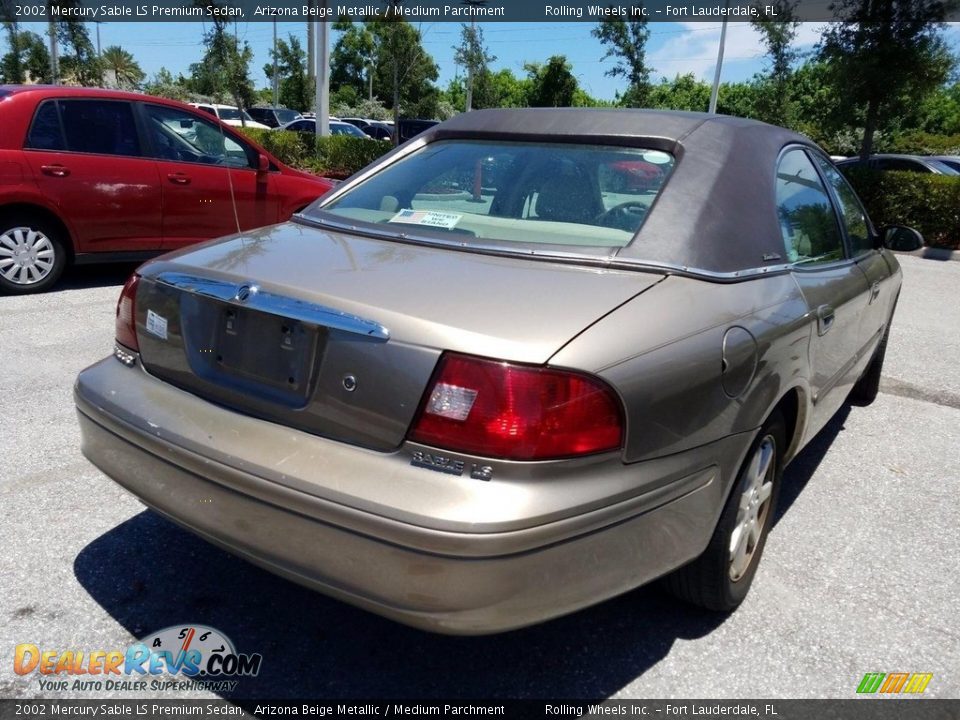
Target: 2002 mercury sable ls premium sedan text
<point x="493" y="378"/>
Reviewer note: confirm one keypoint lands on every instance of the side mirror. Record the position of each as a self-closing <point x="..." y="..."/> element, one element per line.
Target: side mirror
<point x="263" y="163"/>
<point x="901" y="237"/>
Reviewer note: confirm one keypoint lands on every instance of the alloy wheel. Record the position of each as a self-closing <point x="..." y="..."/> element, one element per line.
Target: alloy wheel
<point x="27" y="255"/>
<point x="756" y="488"/>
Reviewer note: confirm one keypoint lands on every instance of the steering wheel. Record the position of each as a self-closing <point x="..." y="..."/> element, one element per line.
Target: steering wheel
<point x="625" y="216"/>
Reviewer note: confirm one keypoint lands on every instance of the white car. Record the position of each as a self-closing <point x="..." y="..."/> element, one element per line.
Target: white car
<point x="230" y="115"/>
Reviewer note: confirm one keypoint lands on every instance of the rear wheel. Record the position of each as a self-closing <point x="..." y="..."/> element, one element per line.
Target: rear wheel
<point x="32" y="255"/>
<point x="720" y="578"/>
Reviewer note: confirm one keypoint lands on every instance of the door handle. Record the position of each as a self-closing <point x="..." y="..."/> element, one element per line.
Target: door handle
<point x="179" y="178"/>
<point x="874" y="292"/>
<point x="55" y="170"/>
<point x="825" y="318"/>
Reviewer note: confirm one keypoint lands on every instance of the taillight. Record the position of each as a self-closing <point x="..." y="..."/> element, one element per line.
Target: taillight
<point x="126" y="332"/>
<point x="517" y="412"/>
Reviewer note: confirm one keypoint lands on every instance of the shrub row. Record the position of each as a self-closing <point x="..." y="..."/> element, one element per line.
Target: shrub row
<point x="334" y="156"/>
<point x="929" y="203"/>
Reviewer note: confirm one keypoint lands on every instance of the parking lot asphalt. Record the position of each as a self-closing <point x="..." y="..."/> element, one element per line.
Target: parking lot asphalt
<point x="859" y="574"/>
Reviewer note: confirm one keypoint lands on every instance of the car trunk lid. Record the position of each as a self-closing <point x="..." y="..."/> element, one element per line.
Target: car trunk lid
<point x="339" y="334"/>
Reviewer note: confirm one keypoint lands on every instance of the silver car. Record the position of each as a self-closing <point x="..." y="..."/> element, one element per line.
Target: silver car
<point x="527" y="362"/>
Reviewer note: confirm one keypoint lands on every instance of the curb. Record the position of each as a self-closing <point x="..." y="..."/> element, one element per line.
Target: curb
<point x="931" y="253"/>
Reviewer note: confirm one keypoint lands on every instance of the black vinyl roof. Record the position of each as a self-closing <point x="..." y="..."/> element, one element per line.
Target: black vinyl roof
<point x="716" y="213"/>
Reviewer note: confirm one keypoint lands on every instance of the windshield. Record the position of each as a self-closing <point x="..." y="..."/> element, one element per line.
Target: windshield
<point x="511" y="192"/>
<point x="285" y="116"/>
<point x="233" y="114"/>
<point x="346" y="129"/>
<point x="943" y="167"/>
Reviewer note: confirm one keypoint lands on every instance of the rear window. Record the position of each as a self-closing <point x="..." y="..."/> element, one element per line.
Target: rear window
<point x="285" y="116"/>
<point x="98" y="127"/>
<point x="589" y="196"/>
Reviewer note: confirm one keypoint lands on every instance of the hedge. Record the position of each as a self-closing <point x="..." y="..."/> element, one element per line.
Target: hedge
<point x="334" y="156"/>
<point x="929" y="203"/>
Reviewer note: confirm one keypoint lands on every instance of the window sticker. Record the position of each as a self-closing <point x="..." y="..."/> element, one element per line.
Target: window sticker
<point x="429" y="218"/>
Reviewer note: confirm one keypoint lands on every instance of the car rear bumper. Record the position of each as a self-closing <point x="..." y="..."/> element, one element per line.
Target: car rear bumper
<point x="443" y="580"/>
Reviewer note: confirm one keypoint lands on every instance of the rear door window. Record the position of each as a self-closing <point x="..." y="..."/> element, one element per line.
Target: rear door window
<point x="808" y="222"/>
<point x="100" y="127"/>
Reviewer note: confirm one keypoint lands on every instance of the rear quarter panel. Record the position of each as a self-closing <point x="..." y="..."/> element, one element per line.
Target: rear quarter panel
<point x="664" y="353"/>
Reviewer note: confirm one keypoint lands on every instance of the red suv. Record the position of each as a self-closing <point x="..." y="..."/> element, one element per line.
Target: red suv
<point x="92" y="175"/>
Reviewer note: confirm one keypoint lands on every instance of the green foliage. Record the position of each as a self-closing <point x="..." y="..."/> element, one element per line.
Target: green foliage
<point x="778" y="35"/>
<point x="27" y="58"/>
<point x="127" y="73"/>
<point x="294" y="88"/>
<point x="340" y="156"/>
<point x="224" y="72"/>
<point x="930" y="203"/>
<point x="336" y="156"/>
<point x="626" y="42"/>
<point x="163" y="84"/>
<point x="353" y="58"/>
<point x="887" y="56"/>
<point x="551" y="85"/>
<point x="919" y="143"/>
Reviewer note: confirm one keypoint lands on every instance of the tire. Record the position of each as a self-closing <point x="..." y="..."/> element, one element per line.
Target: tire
<point x="720" y="578"/>
<point x="868" y="386"/>
<point x="33" y="254"/>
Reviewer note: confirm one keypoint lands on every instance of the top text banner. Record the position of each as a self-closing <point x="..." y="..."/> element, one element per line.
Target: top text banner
<point x="411" y="10"/>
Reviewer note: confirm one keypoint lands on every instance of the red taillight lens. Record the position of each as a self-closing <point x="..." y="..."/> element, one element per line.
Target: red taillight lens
<point x="517" y="412"/>
<point x="127" y="314"/>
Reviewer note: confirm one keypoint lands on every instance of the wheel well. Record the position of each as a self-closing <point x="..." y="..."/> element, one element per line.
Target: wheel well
<point x="793" y="410"/>
<point x="38" y="211"/>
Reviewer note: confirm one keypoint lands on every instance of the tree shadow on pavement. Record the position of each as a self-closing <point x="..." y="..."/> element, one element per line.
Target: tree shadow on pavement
<point x="150" y="574"/>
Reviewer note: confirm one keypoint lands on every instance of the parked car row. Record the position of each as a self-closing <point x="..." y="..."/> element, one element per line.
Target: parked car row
<point x="935" y="164"/>
<point x="90" y="175"/>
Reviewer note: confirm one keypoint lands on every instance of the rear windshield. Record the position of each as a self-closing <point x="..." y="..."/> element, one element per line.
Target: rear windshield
<point x="471" y="191"/>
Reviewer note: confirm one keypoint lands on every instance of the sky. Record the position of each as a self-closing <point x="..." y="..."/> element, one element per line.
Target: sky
<point x="673" y="48"/>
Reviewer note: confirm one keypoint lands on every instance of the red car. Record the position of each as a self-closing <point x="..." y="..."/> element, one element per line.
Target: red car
<point x="91" y="175"/>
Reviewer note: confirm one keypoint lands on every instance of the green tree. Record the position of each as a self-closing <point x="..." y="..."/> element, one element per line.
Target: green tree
<point x="553" y="84"/>
<point x="77" y="58"/>
<point x="778" y="36"/>
<point x="27" y="58"/>
<point x="626" y="42"/>
<point x="405" y="72"/>
<point x="224" y="71"/>
<point x="294" y="87"/>
<point x="684" y="92"/>
<point x="886" y="55"/>
<point x="126" y="71"/>
<point x="353" y="58"/>
<point x="472" y="54"/>
<point x="163" y="84"/>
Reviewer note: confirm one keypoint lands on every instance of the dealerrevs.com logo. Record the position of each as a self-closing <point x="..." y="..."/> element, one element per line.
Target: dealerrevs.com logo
<point x="181" y="657"/>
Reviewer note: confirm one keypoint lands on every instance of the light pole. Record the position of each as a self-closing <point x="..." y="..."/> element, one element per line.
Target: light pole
<point x="716" y="76"/>
<point x="322" y="87"/>
<point x="54" y="61"/>
<point x="276" y="80"/>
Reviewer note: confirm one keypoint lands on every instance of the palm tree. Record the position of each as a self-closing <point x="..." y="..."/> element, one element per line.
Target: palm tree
<point x="127" y="74"/>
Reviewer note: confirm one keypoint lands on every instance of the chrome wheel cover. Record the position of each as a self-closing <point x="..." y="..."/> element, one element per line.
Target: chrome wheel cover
<point x="27" y="256"/>
<point x="755" y="490"/>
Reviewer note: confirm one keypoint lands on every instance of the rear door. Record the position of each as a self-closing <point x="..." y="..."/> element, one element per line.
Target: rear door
<point x="865" y="252"/>
<point x="210" y="184"/>
<point x="87" y="157"/>
<point x="833" y="285"/>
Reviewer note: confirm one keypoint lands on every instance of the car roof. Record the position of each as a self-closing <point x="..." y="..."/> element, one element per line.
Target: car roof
<point x="717" y="211"/>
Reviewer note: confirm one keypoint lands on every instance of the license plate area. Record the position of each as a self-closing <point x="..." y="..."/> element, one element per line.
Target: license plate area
<point x="266" y="350"/>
